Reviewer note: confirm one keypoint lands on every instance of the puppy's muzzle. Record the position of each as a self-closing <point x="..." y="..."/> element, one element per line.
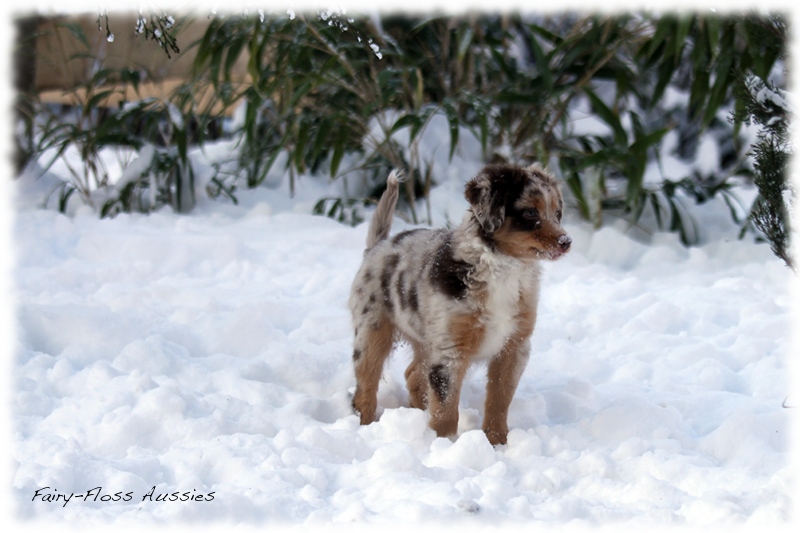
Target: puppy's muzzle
<point x="564" y="242"/>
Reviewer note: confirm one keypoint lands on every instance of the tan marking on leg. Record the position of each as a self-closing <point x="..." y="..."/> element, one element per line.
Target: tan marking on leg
<point x="417" y="378"/>
<point x="467" y="333"/>
<point x="375" y="348"/>
<point x="504" y="373"/>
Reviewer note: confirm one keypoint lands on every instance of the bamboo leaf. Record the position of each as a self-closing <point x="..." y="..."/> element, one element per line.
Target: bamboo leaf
<point x="664" y="28"/>
<point x="720" y="89"/>
<point x="76" y="31"/>
<point x="648" y="140"/>
<point x="232" y="55"/>
<point x="300" y="145"/>
<point x="608" y="116"/>
<point x="682" y="30"/>
<point x="547" y="34"/>
<point x="665" y="72"/>
<point x="338" y="154"/>
<point x="452" y="119"/>
<point x="322" y="138"/>
<point x="542" y="63"/>
<point x="698" y="91"/>
<point x="635" y="175"/>
<point x="576" y="187"/>
<point x="63" y="199"/>
<point x="409" y="119"/>
<point x="464" y="41"/>
<point x="710" y="25"/>
<point x="97" y="98"/>
<point x="422" y="120"/>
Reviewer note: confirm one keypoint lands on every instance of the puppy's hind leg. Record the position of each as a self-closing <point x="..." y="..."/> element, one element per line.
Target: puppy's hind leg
<point x="417" y="378"/>
<point x="372" y="346"/>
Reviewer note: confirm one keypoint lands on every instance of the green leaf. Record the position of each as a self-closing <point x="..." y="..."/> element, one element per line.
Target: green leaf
<point x="319" y="207"/>
<point x="300" y="145"/>
<point x="648" y="140"/>
<point x="682" y="30"/>
<point x="720" y="89"/>
<point x="542" y="63"/>
<point x="322" y="138"/>
<point x="665" y="27"/>
<point x="422" y="120"/>
<point x="547" y="34"/>
<point x="710" y="24"/>
<point x="216" y="64"/>
<point x="637" y="164"/>
<point x="500" y="61"/>
<point x="608" y="116"/>
<point x="76" y="31"/>
<point x="657" y="209"/>
<point x="409" y="119"/>
<point x="419" y="91"/>
<point x="483" y="124"/>
<point x="698" y="92"/>
<point x="338" y="154"/>
<point x="234" y="50"/>
<point x="96" y="98"/>
<point x="665" y="71"/>
<point x="464" y="41"/>
<point x="63" y="198"/>
<point x="576" y="187"/>
<point x="452" y="118"/>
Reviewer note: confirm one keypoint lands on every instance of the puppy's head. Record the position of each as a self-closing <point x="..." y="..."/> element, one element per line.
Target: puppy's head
<point x="519" y="211"/>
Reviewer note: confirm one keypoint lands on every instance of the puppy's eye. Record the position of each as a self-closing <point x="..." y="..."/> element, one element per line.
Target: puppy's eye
<point x="531" y="217"/>
<point x="531" y="214"/>
<point x="558" y="215"/>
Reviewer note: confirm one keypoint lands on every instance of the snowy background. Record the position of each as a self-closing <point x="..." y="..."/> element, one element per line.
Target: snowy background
<point x="210" y="353"/>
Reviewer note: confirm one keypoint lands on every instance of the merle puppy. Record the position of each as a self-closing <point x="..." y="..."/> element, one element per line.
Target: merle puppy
<point x="457" y="297"/>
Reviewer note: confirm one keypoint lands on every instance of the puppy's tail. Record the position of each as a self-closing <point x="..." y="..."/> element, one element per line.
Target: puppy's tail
<point x="382" y="219"/>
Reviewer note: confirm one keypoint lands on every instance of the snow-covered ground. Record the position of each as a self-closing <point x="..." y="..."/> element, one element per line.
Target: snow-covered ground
<point x="209" y="355"/>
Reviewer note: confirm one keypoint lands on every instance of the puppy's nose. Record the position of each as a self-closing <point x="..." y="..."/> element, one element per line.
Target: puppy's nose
<point x="564" y="242"/>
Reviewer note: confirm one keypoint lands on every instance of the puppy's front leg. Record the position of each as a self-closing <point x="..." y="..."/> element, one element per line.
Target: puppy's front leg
<point x="445" y="385"/>
<point x="446" y="369"/>
<point x="504" y="373"/>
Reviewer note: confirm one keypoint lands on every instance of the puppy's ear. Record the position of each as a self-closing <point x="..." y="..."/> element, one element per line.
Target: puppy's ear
<point x="487" y="206"/>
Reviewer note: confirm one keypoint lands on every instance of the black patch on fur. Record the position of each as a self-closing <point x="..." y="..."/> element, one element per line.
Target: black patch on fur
<point x="365" y="310"/>
<point x="386" y="279"/>
<point x="440" y="381"/>
<point x="397" y="239"/>
<point x="371" y="298"/>
<point x="506" y="183"/>
<point x="487" y="239"/>
<point x="447" y="274"/>
<point x="356" y="354"/>
<point x="368" y="275"/>
<point x="413" y="300"/>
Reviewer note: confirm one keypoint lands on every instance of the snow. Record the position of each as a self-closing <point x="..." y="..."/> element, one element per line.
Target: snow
<point x="209" y="355"/>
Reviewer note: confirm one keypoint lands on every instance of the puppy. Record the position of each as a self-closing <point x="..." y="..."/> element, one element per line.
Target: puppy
<point x="458" y="297"/>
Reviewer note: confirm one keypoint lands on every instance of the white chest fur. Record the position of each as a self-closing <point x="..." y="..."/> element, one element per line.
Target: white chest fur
<point x="506" y="282"/>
